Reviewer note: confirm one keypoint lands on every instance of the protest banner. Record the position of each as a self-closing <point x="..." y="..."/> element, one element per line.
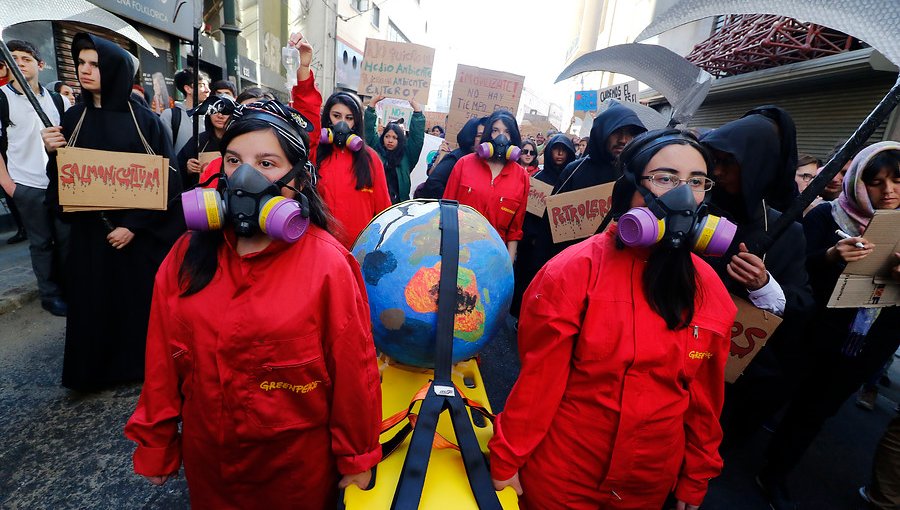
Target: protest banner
<point x="395" y="69"/>
<point x="419" y="174"/>
<point x="586" y="124"/>
<point x="751" y="330"/>
<point x="537" y="197"/>
<point x="867" y="283"/>
<point x="111" y="180"/>
<point x="623" y="92"/>
<point x="585" y="100"/>
<point x="478" y="93"/>
<point x="206" y="158"/>
<point x="436" y="119"/>
<point x="394" y="110"/>
<point x="577" y="214"/>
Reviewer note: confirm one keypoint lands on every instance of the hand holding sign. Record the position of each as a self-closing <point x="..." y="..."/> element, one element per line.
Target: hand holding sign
<point x="53" y="138"/>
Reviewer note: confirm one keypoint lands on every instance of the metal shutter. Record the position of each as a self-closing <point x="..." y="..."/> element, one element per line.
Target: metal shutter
<point x="63" y="32"/>
<point x="824" y="114"/>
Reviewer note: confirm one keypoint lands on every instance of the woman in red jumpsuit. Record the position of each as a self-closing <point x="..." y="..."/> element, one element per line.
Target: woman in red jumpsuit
<point x="496" y="187"/>
<point x="623" y="353"/>
<point x="261" y="348"/>
<point x="351" y="182"/>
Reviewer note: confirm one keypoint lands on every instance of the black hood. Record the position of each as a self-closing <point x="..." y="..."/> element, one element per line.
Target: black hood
<point x="466" y="137"/>
<point x="550" y="173"/>
<point x="117" y="69"/>
<point x="785" y="190"/>
<point x="755" y="145"/>
<point x="617" y="116"/>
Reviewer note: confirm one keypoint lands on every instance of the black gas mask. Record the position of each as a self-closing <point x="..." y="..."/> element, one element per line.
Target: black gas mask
<point x="500" y="147"/>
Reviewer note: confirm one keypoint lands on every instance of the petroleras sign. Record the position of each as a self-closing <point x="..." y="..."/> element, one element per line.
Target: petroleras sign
<point x="170" y="16"/>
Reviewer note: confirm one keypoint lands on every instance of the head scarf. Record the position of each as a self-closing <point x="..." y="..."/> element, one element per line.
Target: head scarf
<point x="853" y="210"/>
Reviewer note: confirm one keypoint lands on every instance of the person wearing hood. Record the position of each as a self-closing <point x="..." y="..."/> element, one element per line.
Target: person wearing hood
<point x="752" y="173"/>
<point x="113" y="254"/>
<point x="434" y="186"/>
<point x="611" y="131"/>
<point x="398" y="151"/>
<point x="536" y="247"/>
<point x="188" y="165"/>
<point x="844" y="346"/>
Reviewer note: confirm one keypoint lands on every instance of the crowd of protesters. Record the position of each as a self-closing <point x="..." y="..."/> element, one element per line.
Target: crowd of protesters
<point x="621" y="401"/>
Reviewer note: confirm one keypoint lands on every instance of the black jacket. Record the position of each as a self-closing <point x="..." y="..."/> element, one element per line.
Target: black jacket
<point x="536" y="246"/>
<point x="598" y="167"/>
<point x="440" y="174"/>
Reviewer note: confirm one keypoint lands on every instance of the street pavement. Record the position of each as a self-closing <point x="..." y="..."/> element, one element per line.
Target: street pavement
<point x="61" y="449"/>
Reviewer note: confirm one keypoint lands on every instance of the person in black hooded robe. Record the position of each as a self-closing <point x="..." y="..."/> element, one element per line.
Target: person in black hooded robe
<point x="434" y="186"/>
<point x="536" y="247"/>
<point x="753" y="173"/>
<point x="114" y="254"/>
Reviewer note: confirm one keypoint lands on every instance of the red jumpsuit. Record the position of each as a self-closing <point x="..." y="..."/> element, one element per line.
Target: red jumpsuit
<point x="502" y="201"/>
<point x="351" y="208"/>
<point x="612" y="409"/>
<point x="270" y="368"/>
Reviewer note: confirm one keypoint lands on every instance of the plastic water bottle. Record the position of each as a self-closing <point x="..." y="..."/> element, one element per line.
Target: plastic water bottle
<point x="290" y="58"/>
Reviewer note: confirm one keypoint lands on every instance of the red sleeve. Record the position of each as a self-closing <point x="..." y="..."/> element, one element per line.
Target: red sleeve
<point x="355" y="420"/>
<point x="703" y="433"/>
<point x="306" y="99"/>
<point x="452" y="188"/>
<point x="515" y="228"/>
<point x="550" y="322"/>
<point x="154" y="424"/>
<point x="379" y="183"/>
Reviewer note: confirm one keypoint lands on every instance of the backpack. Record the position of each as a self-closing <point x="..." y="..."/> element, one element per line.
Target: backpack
<point x="176" y="124"/>
<point x="4" y="118"/>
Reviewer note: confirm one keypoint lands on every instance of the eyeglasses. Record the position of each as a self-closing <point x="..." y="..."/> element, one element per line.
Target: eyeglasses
<point x="528" y="152"/>
<point x="671" y="181"/>
<point x="806" y="177"/>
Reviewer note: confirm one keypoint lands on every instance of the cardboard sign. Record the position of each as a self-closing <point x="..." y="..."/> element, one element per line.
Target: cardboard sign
<point x="537" y="197"/>
<point x="479" y="92"/>
<point x="624" y="92"/>
<point x="395" y="69"/>
<point x="111" y="180"/>
<point x="751" y="330"/>
<point x="436" y="119"/>
<point x="206" y="158"/>
<point x="394" y="110"/>
<point x="867" y="283"/>
<point x="577" y="214"/>
<point x="586" y="124"/>
<point x="585" y="100"/>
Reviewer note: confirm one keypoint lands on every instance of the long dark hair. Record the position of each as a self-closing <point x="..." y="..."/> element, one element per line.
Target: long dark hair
<point x="508" y="120"/>
<point x="201" y="258"/>
<point x="534" y="162"/>
<point x="670" y="279"/>
<point x="393" y="158"/>
<point x="362" y="160"/>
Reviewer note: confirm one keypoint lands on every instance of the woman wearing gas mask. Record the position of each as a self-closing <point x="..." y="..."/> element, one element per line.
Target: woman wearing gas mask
<point x="278" y="391"/>
<point x="492" y="182"/>
<point x="623" y="340"/>
<point x="351" y="177"/>
<point x="399" y="152"/>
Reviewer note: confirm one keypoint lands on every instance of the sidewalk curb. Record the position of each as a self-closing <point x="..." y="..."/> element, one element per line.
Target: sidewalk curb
<point x="17" y="297"/>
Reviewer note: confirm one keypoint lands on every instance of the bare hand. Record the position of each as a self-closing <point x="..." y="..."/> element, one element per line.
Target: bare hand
<point x="53" y="138"/>
<point x="10" y="188"/>
<point x="685" y="506"/>
<point x="513" y="482"/>
<point x="303" y="46"/>
<point x="120" y="237"/>
<point x="415" y="105"/>
<point x="375" y="100"/>
<point x="846" y="250"/>
<point x="748" y="269"/>
<point x="193" y="166"/>
<point x="361" y="480"/>
<point x="159" y="480"/>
